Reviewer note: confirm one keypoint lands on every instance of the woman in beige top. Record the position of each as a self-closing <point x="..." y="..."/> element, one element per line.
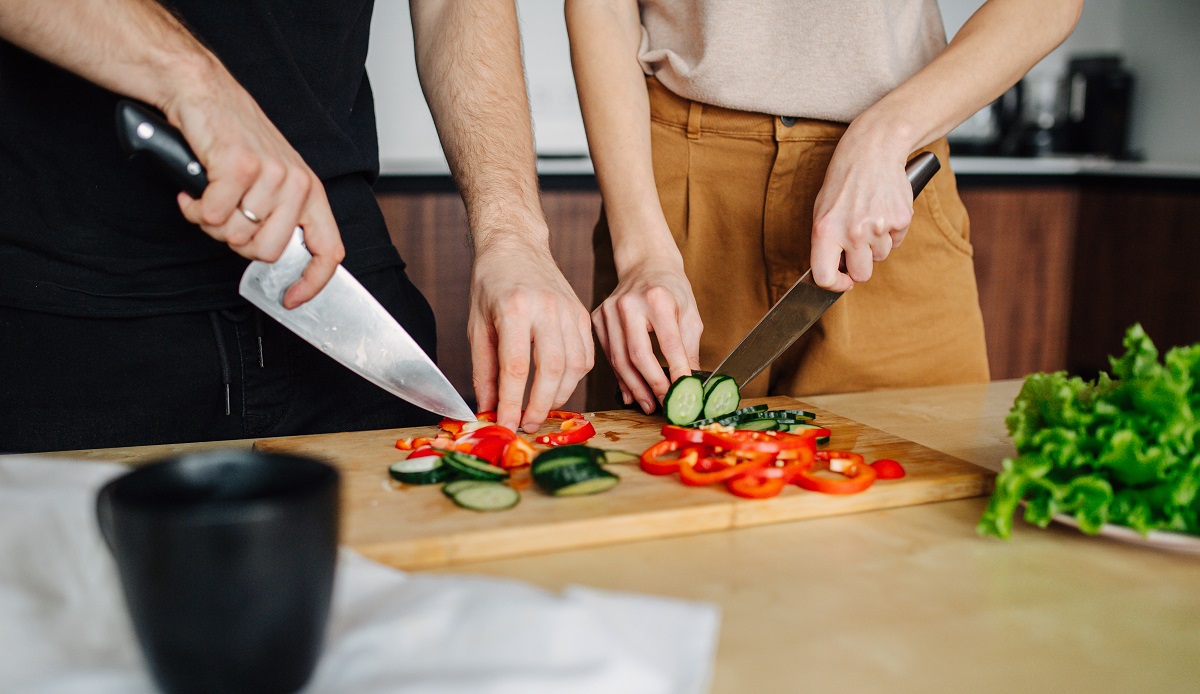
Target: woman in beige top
<point x="738" y="143"/>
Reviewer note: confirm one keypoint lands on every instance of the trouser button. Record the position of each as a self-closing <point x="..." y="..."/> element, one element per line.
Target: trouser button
<point x="788" y="121"/>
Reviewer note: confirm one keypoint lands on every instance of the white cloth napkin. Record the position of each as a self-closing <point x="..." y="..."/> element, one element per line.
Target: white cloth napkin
<point x="64" y="628"/>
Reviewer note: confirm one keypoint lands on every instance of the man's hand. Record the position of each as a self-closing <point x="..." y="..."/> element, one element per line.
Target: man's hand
<point x="139" y="49"/>
<point x="469" y="61"/>
<point x="259" y="187"/>
<point x="862" y="212"/>
<point x="653" y="296"/>
<point x="519" y="298"/>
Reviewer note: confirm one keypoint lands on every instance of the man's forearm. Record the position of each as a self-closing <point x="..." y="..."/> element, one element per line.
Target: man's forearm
<point x="993" y="50"/>
<point x="469" y="61"/>
<point x="132" y="47"/>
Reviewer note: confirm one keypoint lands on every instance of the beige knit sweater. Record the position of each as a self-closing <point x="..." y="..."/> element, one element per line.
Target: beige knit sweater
<point x="825" y="59"/>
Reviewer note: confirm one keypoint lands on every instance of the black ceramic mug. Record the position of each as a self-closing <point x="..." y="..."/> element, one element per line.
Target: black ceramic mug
<point x="226" y="560"/>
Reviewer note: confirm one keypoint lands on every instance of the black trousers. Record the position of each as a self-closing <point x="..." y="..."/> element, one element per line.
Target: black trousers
<point x="69" y="383"/>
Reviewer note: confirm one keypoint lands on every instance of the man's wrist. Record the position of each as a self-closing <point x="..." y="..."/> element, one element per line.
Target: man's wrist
<point x="496" y="228"/>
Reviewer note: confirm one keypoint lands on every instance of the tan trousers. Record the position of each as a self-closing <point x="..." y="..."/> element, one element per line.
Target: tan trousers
<point x="738" y="189"/>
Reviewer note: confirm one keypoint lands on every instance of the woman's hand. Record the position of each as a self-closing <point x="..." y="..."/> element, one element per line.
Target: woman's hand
<point x="652" y="296"/>
<point x="862" y="212"/>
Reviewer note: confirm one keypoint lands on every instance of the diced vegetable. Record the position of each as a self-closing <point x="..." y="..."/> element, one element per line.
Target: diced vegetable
<point x="574" y="429"/>
<point x="888" y="469"/>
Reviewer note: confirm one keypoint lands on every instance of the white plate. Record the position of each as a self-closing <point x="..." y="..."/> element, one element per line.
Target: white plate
<point x="1158" y="539"/>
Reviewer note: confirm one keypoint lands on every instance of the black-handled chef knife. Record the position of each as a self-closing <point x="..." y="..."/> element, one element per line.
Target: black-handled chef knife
<point x="343" y="319"/>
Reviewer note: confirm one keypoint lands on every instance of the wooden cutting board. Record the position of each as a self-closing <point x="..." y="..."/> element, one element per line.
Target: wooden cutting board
<point x="412" y="527"/>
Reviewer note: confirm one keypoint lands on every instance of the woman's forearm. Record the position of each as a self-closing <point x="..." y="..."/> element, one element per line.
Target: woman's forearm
<point x="994" y="49"/>
<point x="605" y="37"/>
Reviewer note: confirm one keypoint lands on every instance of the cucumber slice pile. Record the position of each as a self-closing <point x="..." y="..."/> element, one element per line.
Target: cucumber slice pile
<point x="573" y="471"/>
<point x="473" y="467"/>
<point x="690" y="399"/>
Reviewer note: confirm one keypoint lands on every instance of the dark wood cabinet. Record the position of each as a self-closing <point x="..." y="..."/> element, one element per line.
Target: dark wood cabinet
<point x="1064" y="264"/>
<point x="1064" y="267"/>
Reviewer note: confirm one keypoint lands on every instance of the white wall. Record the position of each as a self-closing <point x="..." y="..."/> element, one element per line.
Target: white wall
<point x="406" y="132"/>
<point x="1160" y="39"/>
<point x="1162" y="43"/>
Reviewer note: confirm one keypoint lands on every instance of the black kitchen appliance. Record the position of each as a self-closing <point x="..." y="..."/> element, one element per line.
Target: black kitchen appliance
<point x="1096" y="99"/>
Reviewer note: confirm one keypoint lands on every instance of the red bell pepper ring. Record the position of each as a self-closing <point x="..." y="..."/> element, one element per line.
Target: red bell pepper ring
<point x="756" y="485"/>
<point x="719" y="469"/>
<point x="655" y="460"/>
<point x="888" y="469"/>
<point x="574" y="430"/>
<point x="858" y="474"/>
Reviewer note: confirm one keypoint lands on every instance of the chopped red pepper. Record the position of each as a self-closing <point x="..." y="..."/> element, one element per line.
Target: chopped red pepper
<point x="443" y="442"/>
<point x="517" y="453"/>
<point x="424" y="452"/>
<point x="451" y="426"/>
<point x="858" y="474"/>
<point x="575" y="428"/>
<point x="888" y="469"/>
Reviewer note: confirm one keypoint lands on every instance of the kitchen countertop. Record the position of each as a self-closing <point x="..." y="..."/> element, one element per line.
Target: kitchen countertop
<point x="906" y="599"/>
<point x="1058" y="166"/>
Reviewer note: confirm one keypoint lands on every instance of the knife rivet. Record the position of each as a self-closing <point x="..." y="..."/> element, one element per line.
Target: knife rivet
<point x="193" y="167"/>
<point x="145" y="131"/>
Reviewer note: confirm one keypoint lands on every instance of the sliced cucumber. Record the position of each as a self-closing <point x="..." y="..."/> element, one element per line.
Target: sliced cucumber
<point x="574" y="479"/>
<point x="801" y="426"/>
<point x="787" y="414"/>
<point x="594" y="485"/>
<point x="612" y="457"/>
<point x="566" y="455"/>
<point x="759" y="424"/>
<point x="721" y="397"/>
<point x="486" y="496"/>
<point x="425" y="470"/>
<point x="474" y="467"/>
<point x="455" y="486"/>
<point x="730" y="418"/>
<point x="684" y="401"/>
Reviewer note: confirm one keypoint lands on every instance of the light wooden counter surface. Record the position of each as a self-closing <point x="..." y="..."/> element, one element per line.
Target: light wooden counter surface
<point x="910" y="600"/>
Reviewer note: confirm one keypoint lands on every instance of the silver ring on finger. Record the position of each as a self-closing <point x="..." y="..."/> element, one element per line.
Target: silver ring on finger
<point x="248" y="214"/>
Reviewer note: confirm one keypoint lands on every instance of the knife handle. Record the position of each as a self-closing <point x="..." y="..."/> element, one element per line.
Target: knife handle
<point x="140" y="131"/>
<point x="920" y="170"/>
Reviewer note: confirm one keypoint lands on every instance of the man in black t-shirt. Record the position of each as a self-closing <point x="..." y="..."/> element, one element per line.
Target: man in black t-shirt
<point x="120" y="322"/>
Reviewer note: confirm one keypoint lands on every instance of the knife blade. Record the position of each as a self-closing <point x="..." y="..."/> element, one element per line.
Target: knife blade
<point x="343" y="320"/>
<point x="802" y="305"/>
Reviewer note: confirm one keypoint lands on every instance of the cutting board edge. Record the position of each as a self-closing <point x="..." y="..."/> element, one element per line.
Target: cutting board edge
<point x="502" y="543"/>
